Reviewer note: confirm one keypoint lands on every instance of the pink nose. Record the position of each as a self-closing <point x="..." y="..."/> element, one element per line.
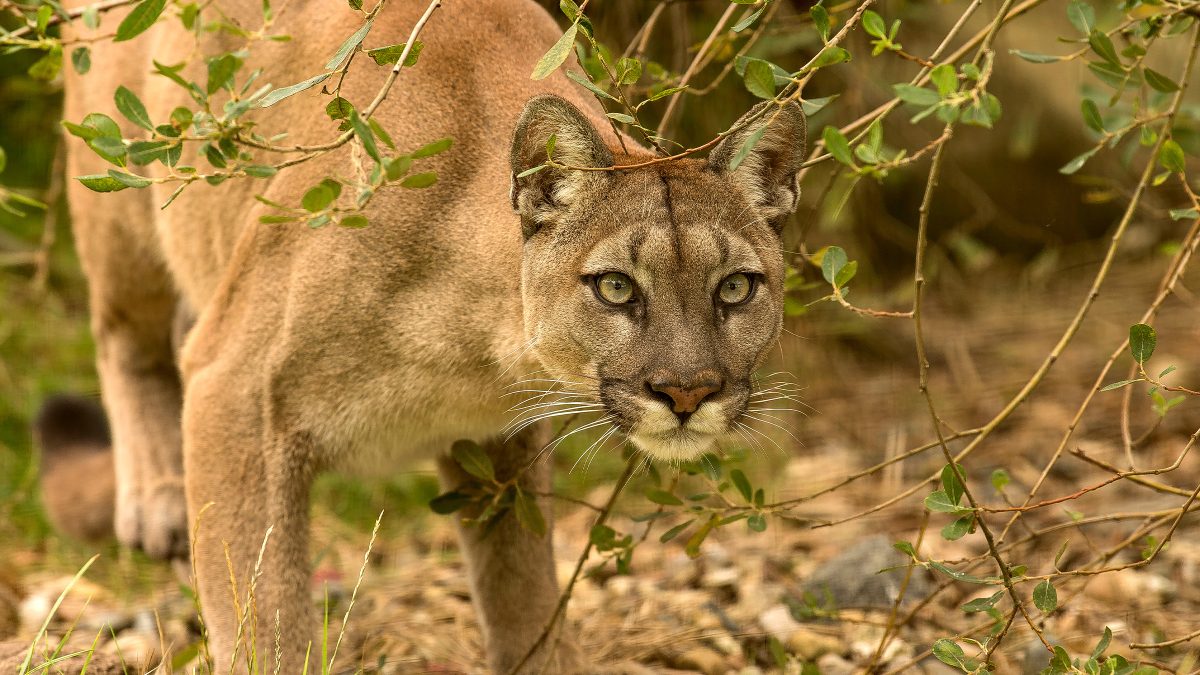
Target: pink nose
<point x="685" y="398"/>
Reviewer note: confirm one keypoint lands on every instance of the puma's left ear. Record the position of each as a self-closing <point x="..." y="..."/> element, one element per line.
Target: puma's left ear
<point x="546" y="195"/>
<point x="769" y="174"/>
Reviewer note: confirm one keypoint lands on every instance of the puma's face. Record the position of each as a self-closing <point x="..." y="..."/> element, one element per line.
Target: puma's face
<point x="659" y="290"/>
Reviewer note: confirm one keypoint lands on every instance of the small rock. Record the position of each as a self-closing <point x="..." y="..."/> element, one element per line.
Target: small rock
<point x="778" y="622"/>
<point x="810" y="645"/>
<point x="721" y="577"/>
<point x="854" y="578"/>
<point x="702" y="659"/>
<point x="832" y="664"/>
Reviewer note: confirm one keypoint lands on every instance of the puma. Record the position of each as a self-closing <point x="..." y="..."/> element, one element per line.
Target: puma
<point x="648" y="295"/>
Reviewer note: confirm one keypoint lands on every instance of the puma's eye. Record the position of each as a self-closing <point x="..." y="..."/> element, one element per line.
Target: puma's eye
<point x="614" y="288"/>
<point x="735" y="289"/>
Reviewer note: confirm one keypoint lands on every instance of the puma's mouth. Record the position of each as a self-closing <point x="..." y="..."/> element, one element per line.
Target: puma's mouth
<point x="676" y="445"/>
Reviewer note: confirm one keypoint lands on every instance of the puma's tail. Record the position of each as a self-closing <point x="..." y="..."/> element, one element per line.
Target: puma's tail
<point x="77" y="475"/>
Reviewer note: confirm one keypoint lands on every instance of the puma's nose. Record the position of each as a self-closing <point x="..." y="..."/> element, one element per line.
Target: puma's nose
<point x="684" y="397"/>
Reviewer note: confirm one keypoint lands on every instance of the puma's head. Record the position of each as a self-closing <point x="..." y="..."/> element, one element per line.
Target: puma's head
<point x="656" y="290"/>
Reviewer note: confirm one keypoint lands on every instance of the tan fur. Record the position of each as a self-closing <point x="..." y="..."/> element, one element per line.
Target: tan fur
<point x="330" y="349"/>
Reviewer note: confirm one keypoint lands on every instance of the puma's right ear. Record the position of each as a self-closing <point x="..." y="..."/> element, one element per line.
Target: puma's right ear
<point x="546" y="195"/>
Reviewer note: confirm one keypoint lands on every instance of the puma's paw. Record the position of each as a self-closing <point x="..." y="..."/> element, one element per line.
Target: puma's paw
<point x="164" y="520"/>
<point x="154" y="519"/>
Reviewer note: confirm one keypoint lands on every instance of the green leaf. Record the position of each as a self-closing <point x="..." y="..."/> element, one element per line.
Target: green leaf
<point x="958" y="528"/>
<point x="846" y="274"/>
<point x="473" y="460"/>
<point x="629" y="71"/>
<point x="747" y="147"/>
<point x="348" y="46"/>
<point x="391" y="54"/>
<point x="1118" y="385"/>
<point x="1045" y="597"/>
<point x="81" y="59"/>
<point x="948" y="652"/>
<point x="365" y="135"/>
<point x="759" y="78"/>
<point x="940" y="502"/>
<point x="741" y="483"/>
<point x="1102" y="45"/>
<point x="692" y="548"/>
<point x="144" y="152"/>
<point x="832" y="261"/>
<point x="961" y="576"/>
<point x="757" y="522"/>
<point x="260" y="170"/>
<point x="395" y="168"/>
<point x="528" y="514"/>
<point x="1091" y="115"/>
<point x="339" y="109"/>
<point x="830" y="56"/>
<point x="983" y="604"/>
<point x="1142" y="340"/>
<point x="128" y="179"/>
<point x="317" y="198"/>
<point x="1000" y="480"/>
<point x="675" y="531"/>
<point x="3" y="160"/>
<point x="1082" y="16"/>
<point x="381" y="133"/>
<point x="419" y="180"/>
<point x="1180" y="214"/>
<point x="47" y="67"/>
<point x="1102" y="645"/>
<point x="1078" y="162"/>
<point x="1159" y="81"/>
<point x="101" y="183"/>
<point x="916" y="95"/>
<point x="554" y="58"/>
<point x="583" y="81"/>
<point x="1170" y="156"/>
<point x="355" y="222"/>
<point x="143" y="15"/>
<point x="622" y="118"/>
<point x="111" y="149"/>
<point x="131" y="107"/>
<point x="951" y="484"/>
<point x="1034" y="57"/>
<point x="279" y="94"/>
<point x="449" y="502"/>
<point x="533" y="170"/>
<point x="945" y="79"/>
<point x="838" y="146"/>
<point x="221" y="71"/>
<point x="749" y="20"/>
<point x="820" y="18"/>
<point x="874" y="25"/>
<point x="663" y="497"/>
<point x="431" y="149"/>
<point x="905" y="548"/>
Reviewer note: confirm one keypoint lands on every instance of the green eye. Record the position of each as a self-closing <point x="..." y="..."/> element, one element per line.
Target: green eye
<point x="614" y="288"/>
<point x="735" y="289"/>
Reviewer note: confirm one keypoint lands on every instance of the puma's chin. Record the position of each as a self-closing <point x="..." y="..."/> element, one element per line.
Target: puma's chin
<point x="677" y="445"/>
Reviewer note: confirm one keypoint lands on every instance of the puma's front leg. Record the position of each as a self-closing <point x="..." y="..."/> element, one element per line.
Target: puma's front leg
<point x="247" y="477"/>
<point x="513" y="585"/>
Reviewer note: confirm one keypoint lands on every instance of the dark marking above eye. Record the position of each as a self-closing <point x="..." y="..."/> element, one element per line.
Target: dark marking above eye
<point x="635" y="245"/>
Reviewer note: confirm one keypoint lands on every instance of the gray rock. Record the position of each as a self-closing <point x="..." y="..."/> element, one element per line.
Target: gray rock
<point x="854" y="578"/>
